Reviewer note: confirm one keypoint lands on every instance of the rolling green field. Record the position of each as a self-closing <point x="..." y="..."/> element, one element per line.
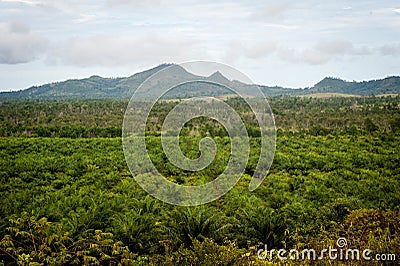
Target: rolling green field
<point x="68" y="198"/>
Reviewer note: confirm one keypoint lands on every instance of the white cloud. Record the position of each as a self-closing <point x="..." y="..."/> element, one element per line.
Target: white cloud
<point x="109" y="50"/>
<point x="261" y="49"/>
<point x="84" y="18"/>
<point x="236" y="50"/>
<point x="295" y="35"/>
<point x="133" y="3"/>
<point x="307" y="56"/>
<point x="28" y="2"/>
<point x="233" y="52"/>
<point x="270" y="11"/>
<point x="339" y="47"/>
<point x="334" y="47"/>
<point x="281" y="26"/>
<point x="18" y="44"/>
<point x="390" y="49"/>
<point x="317" y="54"/>
<point x="322" y="52"/>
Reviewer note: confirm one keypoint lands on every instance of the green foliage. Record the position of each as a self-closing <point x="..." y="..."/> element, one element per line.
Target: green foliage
<point x="140" y="227"/>
<point x="370" y="126"/>
<point x="187" y="224"/>
<point x="335" y="173"/>
<point x="207" y="252"/>
<point x="262" y="225"/>
<point x="372" y="229"/>
<point x="103" y="118"/>
<point x="37" y="242"/>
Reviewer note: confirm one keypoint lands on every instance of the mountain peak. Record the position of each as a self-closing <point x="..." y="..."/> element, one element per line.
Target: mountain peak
<point x="331" y="80"/>
<point x="218" y="77"/>
<point x="329" y="83"/>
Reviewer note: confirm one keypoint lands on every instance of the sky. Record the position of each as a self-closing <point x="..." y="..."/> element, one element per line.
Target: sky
<point x="286" y="43"/>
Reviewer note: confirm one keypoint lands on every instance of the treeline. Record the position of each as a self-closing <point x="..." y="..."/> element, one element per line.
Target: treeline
<point x="101" y="118"/>
<point x="300" y="114"/>
<point x="85" y="113"/>
<point x="61" y="131"/>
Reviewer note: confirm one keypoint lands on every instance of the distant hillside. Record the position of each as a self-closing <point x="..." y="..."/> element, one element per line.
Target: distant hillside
<point x="389" y="85"/>
<point x="96" y="87"/>
<point x="276" y="91"/>
<point x="89" y="88"/>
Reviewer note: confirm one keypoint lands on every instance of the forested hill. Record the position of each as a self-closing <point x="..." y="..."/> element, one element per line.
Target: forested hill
<point x="389" y="85"/>
<point x="96" y="87"/>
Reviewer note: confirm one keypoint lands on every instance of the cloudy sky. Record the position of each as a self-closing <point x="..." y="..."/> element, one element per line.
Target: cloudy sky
<point x="288" y="43"/>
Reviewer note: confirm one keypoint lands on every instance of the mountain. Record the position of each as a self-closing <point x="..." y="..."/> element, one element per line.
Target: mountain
<point x="96" y="87"/>
<point x="389" y="85"/>
<point x="218" y="77"/>
<point x="89" y="88"/>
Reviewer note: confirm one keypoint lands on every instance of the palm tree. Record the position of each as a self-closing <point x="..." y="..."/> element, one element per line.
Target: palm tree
<point x="188" y="223"/>
<point x="261" y="224"/>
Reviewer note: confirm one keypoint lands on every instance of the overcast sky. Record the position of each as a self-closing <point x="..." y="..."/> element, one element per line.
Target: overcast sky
<point x="287" y="43"/>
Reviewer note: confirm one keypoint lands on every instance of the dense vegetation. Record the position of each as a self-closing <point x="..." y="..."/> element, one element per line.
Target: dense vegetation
<point x="103" y="118"/>
<point x="69" y="198"/>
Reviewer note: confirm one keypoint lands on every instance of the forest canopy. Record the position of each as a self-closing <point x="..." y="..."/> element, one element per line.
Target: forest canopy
<point x="68" y="197"/>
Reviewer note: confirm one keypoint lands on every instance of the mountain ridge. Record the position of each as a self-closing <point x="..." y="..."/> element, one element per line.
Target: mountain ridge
<point x="96" y="87"/>
<point x="388" y="85"/>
